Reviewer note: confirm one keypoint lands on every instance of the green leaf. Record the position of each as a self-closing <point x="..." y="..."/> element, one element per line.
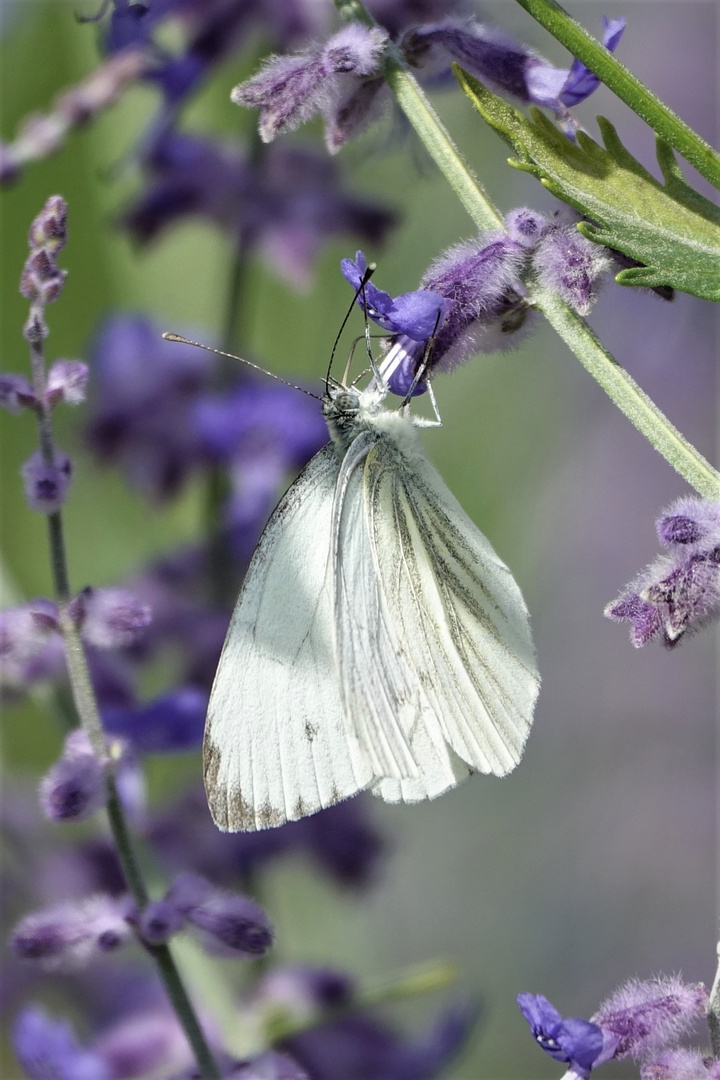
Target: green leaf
<point x="670" y="228"/>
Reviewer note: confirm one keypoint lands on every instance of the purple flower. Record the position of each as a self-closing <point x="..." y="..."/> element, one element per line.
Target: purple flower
<point x="581" y="82"/>
<point x="74" y="788"/>
<point x="173" y="722"/>
<point x="570" y="265"/>
<point x="648" y="1017"/>
<point x="343" y="842"/>
<point x="285" y="205"/>
<point x="415" y="314"/>
<point x="71" y="934"/>
<point x="302" y="991"/>
<point x="47" y="484"/>
<point x="580" y="1043"/>
<point x="270" y="1066"/>
<point x="289" y="90"/>
<point x="47" y="1048"/>
<point x="110" y="618"/>
<point x="143" y="1043"/>
<point x="511" y="67"/>
<point x="679" y="592"/>
<point x="49" y="229"/>
<point x="227" y="924"/>
<point x="159" y="920"/>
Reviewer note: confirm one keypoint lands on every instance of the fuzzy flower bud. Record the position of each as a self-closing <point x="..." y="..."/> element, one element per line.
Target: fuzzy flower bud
<point x="159" y="920"/>
<point x="681" y="1065"/>
<point x="679" y="592"/>
<point x="227" y="924"/>
<point x="71" y="934"/>
<point x="66" y="383"/>
<point x="46" y="486"/>
<point x="648" y="1017"/>
<point x="31" y="648"/>
<point x="110" y="618"/>
<point x="568" y="264"/>
<point x="41" y="279"/>
<point x="289" y="90"/>
<point x="74" y="788"/>
<point x="49" y="228"/>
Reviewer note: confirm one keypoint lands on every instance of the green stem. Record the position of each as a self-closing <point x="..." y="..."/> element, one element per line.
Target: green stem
<point x="616" y="382"/>
<point x="627" y="86"/>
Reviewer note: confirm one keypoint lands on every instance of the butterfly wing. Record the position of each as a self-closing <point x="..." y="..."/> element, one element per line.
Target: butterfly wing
<point x="277" y="742"/>
<point x="382" y="695"/>
<point x="456" y="612"/>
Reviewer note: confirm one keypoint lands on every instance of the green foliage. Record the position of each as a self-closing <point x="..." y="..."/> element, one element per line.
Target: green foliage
<point x="670" y="228"/>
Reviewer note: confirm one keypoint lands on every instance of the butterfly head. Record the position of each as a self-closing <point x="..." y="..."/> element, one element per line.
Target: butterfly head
<point x="345" y="409"/>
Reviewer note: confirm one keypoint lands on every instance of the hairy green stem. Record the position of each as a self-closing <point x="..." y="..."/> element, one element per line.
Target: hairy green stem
<point x="614" y="380"/>
<point x="627" y="86"/>
<point x="89" y="716"/>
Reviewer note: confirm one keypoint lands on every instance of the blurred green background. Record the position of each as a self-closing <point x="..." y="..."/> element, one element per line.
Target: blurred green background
<point x="595" y="861"/>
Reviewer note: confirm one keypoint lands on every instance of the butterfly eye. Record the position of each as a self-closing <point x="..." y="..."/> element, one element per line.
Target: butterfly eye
<point x="347" y="403"/>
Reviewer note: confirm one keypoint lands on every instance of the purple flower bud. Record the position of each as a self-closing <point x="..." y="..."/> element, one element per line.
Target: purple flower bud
<point x="143" y="1044"/>
<point x="31" y="648"/>
<point x="110" y="618"/>
<point x="74" y="788"/>
<point x="580" y="1043"/>
<point x="680" y="1065"/>
<point x="352" y="113"/>
<point x="41" y="279"/>
<point x="647" y="1017"/>
<point x="227" y="924"/>
<point x="48" y="1048"/>
<point x="302" y="991"/>
<point x="678" y="592"/>
<point x="49" y="228"/>
<point x="526" y="226"/>
<point x="46" y="486"/>
<point x="69" y="935"/>
<point x="690" y="521"/>
<point x="16" y="393"/>
<point x="570" y="265"/>
<point x="159" y="920"/>
<point x="66" y="383"/>
<point x="289" y="90"/>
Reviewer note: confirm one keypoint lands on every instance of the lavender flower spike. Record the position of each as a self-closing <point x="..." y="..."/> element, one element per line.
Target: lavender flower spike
<point x="581" y="1043"/>
<point x="679" y="592"/>
<point x="289" y="90"/>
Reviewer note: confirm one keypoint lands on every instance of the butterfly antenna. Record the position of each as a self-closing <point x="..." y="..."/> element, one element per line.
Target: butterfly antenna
<point x="169" y="336"/>
<point x="369" y="271"/>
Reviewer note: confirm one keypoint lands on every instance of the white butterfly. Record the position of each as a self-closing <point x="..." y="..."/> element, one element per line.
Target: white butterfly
<point x="378" y="641"/>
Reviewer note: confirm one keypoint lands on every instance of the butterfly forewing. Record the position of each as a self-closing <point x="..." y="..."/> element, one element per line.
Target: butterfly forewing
<point x="275" y="720"/>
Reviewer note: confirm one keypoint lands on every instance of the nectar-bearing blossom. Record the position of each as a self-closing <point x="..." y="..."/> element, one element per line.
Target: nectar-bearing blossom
<point x="679" y="592"/>
<point x="581" y="1044"/>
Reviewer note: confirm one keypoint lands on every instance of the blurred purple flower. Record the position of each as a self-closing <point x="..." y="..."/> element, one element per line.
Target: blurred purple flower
<point x="681" y="1065"/>
<point x="142" y="1043"/>
<point x="362" y="1047"/>
<point x="47" y="484"/>
<point x="47" y="1048"/>
<point x="679" y="592"/>
<point x="66" y="383"/>
<point x="289" y="90"/>
<point x="648" y="1017"/>
<point x="343" y="842"/>
<point x="16" y="393"/>
<point x="144" y="391"/>
<point x="172" y="722"/>
<point x="226" y="923"/>
<point x="302" y="991"/>
<point x="109" y="618"/>
<point x="580" y="1043"/>
<point x="69" y="935"/>
<point x="31" y="649"/>
<point x="285" y="205"/>
<point x="74" y="788"/>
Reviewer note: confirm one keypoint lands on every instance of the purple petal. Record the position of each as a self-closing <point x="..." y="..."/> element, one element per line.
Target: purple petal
<point x="48" y="1050"/>
<point x="581" y="82"/>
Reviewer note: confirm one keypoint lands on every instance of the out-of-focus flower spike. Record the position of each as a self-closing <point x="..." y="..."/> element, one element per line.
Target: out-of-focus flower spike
<point x="145" y="1044"/>
<point x="172" y="722"/>
<point x="47" y="485"/>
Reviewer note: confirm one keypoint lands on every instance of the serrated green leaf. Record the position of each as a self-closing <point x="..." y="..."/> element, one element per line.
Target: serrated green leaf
<point x="670" y="228"/>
